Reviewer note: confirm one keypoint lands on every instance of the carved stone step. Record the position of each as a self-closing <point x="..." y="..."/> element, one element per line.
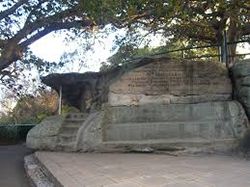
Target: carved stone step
<point x="70" y="130"/>
<point x="71" y="125"/>
<point x="76" y="115"/>
<point x="67" y="133"/>
<point x="66" y="138"/>
<point x="75" y="119"/>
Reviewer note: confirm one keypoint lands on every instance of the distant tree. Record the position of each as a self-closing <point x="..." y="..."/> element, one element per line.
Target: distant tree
<point x="130" y="53"/>
<point x="190" y="20"/>
<point x="25" y="21"/>
<point x="32" y="108"/>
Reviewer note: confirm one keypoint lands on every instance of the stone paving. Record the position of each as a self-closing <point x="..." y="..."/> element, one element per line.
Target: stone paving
<point x="134" y="170"/>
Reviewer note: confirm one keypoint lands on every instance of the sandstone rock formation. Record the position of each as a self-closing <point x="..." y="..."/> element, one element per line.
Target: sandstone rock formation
<point x="153" y="104"/>
<point x="44" y="135"/>
<point x="172" y="81"/>
<point x="241" y="76"/>
<point x="56" y="133"/>
<point x="210" y="125"/>
<point x="78" y="90"/>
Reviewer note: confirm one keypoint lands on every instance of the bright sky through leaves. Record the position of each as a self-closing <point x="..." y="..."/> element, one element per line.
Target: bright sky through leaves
<point x="52" y="47"/>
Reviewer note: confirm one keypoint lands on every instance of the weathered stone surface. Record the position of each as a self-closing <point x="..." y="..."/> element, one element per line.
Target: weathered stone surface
<point x="56" y="132"/>
<point x="191" y="81"/>
<point x="38" y="175"/>
<point x="44" y="135"/>
<point x="172" y="126"/>
<point x="209" y="121"/>
<point x="158" y="104"/>
<point x="241" y="68"/>
<point x="89" y="136"/>
<point x="78" y="89"/>
<point x="241" y="76"/>
<point x="140" y="99"/>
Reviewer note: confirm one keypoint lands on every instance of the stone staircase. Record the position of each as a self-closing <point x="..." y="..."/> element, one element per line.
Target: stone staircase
<point x="68" y="131"/>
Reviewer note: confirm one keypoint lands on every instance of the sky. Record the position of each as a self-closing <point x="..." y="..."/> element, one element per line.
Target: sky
<point x="52" y="47"/>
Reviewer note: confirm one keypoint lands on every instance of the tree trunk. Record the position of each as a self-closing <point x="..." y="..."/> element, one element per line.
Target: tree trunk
<point x="11" y="53"/>
<point x="233" y="34"/>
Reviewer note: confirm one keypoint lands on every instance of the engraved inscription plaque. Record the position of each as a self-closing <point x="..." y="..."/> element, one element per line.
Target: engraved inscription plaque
<point x="174" y="78"/>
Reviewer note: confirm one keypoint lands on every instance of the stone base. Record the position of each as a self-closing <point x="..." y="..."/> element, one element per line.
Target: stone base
<point x="205" y="126"/>
<point x="241" y="77"/>
<point x="186" y="146"/>
<point x="215" y="125"/>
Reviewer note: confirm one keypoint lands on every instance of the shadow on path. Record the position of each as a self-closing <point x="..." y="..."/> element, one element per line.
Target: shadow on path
<point x="12" y="173"/>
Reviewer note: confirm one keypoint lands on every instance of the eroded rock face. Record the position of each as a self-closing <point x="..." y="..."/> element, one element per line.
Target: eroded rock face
<point x="78" y="89"/>
<point x="241" y="76"/>
<point x="174" y="126"/>
<point x="210" y="121"/>
<point x="45" y="135"/>
<point x="166" y="81"/>
<point x="156" y="104"/>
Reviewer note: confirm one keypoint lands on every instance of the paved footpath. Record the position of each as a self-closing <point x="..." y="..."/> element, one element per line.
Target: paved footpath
<point x="134" y="170"/>
<point x="12" y="172"/>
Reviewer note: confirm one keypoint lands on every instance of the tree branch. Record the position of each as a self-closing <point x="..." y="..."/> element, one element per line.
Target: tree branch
<point x="33" y="11"/>
<point x="246" y="29"/>
<point x="55" y="27"/>
<point x="2" y="43"/>
<point x="11" y="53"/>
<point x="12" y="9"/>
<point x="29" y="28"/>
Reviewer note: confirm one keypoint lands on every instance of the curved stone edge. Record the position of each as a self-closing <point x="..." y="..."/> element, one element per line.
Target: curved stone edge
<point x="44" y="136"/>
<point x="38" y="174"/>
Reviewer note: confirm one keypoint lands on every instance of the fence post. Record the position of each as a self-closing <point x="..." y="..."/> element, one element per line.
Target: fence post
<point x="182" y="54"/>
<point x="224" y="48"/>
<point x="220" y="54"/>
<point x="60" y="101"/>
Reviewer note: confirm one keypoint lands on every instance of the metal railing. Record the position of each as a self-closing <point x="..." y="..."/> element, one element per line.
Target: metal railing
<point x="223" y="52"/>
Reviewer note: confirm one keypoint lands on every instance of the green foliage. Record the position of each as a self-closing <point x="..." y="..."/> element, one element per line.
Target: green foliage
<point x="128" y="53"/>
<point x="31" y="109"/>
<point x="24" y="22"/>
<point x="192" y="22"/>
<point x="6" y="119"/>
<point x="13" y="133"/>
<point x="69" y="109"/>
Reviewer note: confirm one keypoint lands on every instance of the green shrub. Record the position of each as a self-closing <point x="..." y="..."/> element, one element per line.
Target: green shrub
<point x="13" y="133"/>
<point x="69" y="109"/>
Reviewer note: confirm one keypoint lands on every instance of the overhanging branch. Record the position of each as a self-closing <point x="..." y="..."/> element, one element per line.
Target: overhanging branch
<point x="12" y="9"/>
<point x="44" y="22"/>
<point x="246" y="29"/>
<point x="55" y="27"/>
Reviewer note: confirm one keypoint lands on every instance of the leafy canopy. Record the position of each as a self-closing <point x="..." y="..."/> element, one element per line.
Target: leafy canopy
<point x="23" y="22"/>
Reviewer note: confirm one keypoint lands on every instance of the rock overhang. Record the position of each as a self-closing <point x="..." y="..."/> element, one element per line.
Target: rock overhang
<point x="157" y="103"/>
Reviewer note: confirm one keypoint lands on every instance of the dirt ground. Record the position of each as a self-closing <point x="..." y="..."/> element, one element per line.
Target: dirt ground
<point x="12" y="172"/>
